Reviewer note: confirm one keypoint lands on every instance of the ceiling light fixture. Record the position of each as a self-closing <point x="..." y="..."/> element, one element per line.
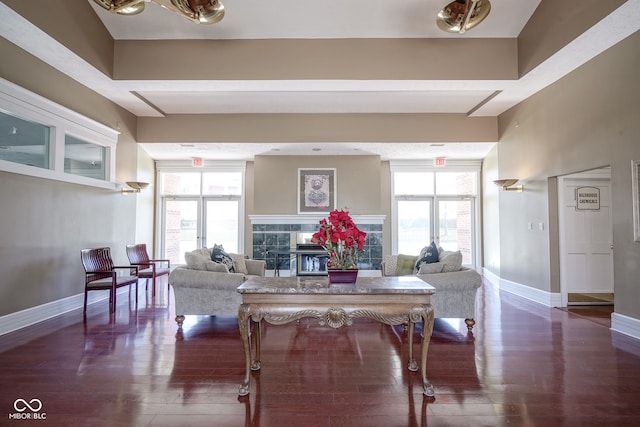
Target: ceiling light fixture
<point x="462" y="15"/>
<point x="198" y="11"/>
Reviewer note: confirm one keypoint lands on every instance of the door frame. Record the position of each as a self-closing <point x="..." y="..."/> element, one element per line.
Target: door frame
<point x="601" y="173"/>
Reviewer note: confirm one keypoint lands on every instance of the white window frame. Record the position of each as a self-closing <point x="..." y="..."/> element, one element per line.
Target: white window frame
<point x="185" y="166"/>
<point x="424" y="166"/>
<point x="17" y="101"/>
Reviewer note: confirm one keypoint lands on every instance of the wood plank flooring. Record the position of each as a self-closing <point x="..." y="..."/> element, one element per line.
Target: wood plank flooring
<point x="524" y="365"/>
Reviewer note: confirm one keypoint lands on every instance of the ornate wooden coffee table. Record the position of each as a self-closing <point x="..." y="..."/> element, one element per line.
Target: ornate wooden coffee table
<point x="281" y="300"/>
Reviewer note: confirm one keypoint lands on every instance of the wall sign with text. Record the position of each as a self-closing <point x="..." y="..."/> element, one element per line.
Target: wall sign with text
<point x="588" y="199"/>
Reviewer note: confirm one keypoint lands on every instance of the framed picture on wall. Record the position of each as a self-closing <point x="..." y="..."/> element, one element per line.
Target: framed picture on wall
<point x="316" y="190"/>
<point x="635" y="173"/>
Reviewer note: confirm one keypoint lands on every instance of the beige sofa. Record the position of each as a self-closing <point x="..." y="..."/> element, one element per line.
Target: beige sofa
<point x="203" y="287"/>
<point x="456" y="290"/>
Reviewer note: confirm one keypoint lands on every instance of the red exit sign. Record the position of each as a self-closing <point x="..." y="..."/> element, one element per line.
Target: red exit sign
<point x="439" y="161"/>
<point x="196" y="162"/>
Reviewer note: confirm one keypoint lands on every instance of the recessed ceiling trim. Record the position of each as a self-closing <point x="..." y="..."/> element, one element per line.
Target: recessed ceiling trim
<point x="484" y="101"/>
<point x="149" y="103"/>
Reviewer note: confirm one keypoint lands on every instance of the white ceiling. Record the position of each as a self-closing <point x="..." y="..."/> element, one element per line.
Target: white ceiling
<point x="309" y="19"/>
<point x="277" y="19"/>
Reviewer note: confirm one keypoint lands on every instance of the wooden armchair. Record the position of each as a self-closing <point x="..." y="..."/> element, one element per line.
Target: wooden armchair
<point x="101" y="274"/>
<point x="147" y="268"/>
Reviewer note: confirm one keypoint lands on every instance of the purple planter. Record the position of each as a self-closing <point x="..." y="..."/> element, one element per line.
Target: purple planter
<point x="343" y="276"/>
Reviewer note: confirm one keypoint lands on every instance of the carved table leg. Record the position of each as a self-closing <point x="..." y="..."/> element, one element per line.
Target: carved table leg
<point x="413" y="365"/>
<point x="470" y="323"/>
<point x="427" y="329"/>
<point x="179" y="320"/>
<point x="243" y="324"/>
<point x="257" y="331"/>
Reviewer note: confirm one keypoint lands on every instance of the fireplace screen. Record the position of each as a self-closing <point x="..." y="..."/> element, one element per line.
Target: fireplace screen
<point x="311" y="259"/>
<point x="312" y="263"/>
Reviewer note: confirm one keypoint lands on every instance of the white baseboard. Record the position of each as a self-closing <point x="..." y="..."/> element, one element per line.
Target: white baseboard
<point x="619" y="323"/>
<point x="30" y="316"/>
<point x="549" y="299"/>
<point x="625" y="325"/>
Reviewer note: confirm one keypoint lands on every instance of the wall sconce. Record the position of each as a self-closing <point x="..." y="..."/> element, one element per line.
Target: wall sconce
<point x="135" y="187"/>
<point x="507" y="185"/>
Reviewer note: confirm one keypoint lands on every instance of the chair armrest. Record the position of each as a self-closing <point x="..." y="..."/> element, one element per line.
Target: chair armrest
<point x="256" y="267"/>
<point x="389" y="265"/>
<point x="161" y="260"/>
<point x="382" y="268"/>
<point x="129" y="267"/>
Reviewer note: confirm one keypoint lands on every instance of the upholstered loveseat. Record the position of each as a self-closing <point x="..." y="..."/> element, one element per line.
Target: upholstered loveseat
<point x="456" y="286"/>
<point x="205" y="287"/>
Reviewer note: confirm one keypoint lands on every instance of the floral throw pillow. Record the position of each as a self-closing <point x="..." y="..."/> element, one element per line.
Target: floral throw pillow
<point x="219" y="255"/>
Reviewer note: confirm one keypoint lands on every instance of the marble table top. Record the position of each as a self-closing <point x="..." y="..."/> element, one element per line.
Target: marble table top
<point x="321" y="285"/>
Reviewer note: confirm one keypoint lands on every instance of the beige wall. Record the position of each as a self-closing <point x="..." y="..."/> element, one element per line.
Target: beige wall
<point x="556" y="23"/>
<point x="586" y="120"/>
<point x="491" y="213"/>
<point x="297" y="128"/>
<point x="294" y="59"/>
<point x="46" y="223"/>
<point x="357" y="181"/>
<point x="75" y="25"/>
<point x="363" y="185"/>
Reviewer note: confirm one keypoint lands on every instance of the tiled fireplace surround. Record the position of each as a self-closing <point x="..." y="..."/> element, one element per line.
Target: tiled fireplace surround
<point x="274" y="232"/>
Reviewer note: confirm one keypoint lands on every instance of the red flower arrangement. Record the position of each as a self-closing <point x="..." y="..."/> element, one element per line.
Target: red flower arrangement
<point x="340" y="236"/>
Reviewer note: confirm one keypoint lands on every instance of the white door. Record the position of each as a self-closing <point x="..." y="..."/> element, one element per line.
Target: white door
<point x="586" y="238"/>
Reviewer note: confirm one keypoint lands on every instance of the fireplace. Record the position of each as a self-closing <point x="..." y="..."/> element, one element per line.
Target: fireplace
<point x="311" y="259"/>
<point x="279" y="233"/>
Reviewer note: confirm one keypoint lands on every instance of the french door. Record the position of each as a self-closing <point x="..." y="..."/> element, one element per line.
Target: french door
<point x="448" y="221"/>
<point x="190" y="223"/>
<point x="455" y="227"/>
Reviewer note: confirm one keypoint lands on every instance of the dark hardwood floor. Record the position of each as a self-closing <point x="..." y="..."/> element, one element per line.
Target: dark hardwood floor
<point x="524" y="365"/>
